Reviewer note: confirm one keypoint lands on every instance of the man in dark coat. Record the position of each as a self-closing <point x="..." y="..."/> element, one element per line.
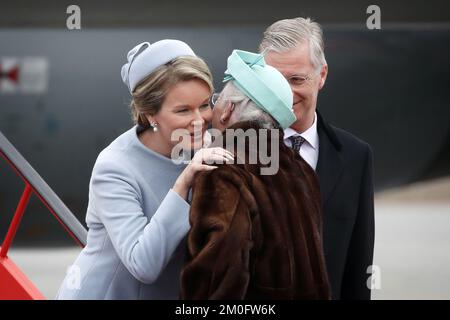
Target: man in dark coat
<point x="256" y="233"/>
<point x="342" y="161"/>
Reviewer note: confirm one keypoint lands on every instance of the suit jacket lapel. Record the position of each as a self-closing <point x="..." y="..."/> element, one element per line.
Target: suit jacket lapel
<point x="330" y="164"/>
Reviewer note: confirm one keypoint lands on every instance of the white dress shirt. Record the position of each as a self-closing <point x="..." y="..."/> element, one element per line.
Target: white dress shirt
<point x="309" y="150"/>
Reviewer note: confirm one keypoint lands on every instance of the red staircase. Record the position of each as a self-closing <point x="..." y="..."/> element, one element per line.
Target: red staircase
<point x="14" y="284"/>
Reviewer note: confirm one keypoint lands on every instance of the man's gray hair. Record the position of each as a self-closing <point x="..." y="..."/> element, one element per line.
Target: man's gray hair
<point x="287" y="34"/>
<point x="245" y="109"/>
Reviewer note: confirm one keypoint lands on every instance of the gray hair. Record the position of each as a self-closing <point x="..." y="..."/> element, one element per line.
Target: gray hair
<point x="245" y="109"/>
<point x="287" y="34"/>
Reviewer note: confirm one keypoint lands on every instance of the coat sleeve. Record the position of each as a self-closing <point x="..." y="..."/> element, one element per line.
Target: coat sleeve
<point x="219" y="241"/>
<point x="360" y="254"/>
<point x="144" y="246"/>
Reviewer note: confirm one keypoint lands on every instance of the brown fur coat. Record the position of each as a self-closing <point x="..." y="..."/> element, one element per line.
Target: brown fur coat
<point x="256" y="236"/>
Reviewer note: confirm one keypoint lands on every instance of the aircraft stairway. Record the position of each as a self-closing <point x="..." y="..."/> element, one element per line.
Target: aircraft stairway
<point x="14" y="284"/>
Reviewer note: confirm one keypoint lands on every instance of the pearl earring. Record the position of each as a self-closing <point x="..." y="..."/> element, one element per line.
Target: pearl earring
<point x="154" y="125"/>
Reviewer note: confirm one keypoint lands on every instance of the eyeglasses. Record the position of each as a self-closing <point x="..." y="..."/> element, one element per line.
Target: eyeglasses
<point x="298" y="81"/>
<point x="233" y="99"/>
<point x="213" y="99"/>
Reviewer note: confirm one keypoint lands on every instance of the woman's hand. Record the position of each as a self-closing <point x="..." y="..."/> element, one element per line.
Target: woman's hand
<point x="208" y="155"/>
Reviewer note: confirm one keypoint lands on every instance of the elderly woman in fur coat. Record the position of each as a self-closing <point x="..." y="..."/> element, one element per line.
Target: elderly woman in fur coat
<point x="255" y="226"/>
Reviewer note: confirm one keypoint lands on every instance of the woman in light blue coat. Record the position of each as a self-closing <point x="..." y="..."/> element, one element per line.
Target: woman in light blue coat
<point x="138" y="212"/>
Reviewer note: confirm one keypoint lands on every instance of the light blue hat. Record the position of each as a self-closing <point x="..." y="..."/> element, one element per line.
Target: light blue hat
<point x="263" y="84"/>
<point x="144" y="58"/>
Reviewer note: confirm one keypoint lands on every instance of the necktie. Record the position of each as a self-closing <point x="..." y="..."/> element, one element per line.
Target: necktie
<point x="297" y="142"/>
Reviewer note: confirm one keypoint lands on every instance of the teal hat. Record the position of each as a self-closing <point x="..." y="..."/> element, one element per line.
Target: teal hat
<point x="263" y="84"/>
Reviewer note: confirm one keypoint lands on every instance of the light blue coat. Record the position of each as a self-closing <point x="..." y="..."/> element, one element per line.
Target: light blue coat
<point x="137" y="227"/>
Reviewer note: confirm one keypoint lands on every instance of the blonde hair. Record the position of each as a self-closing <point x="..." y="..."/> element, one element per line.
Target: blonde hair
<point x="287" y="34"/>
<point x="149" y="94"/>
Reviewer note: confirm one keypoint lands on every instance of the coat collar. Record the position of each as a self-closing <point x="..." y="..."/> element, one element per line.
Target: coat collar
<point x="330" y="164"/>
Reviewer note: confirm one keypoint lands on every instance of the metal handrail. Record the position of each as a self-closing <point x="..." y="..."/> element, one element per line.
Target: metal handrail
<point x="35" y="184"/>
